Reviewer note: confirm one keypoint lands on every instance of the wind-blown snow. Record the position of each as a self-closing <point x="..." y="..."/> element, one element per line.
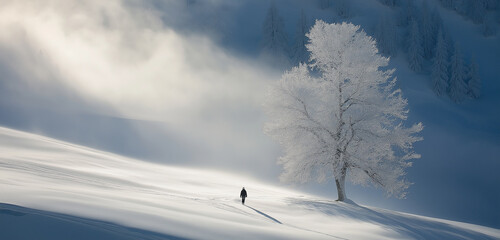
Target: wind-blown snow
<point x="70" y="189"/>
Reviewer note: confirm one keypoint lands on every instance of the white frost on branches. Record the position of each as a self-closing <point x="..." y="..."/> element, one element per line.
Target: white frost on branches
<point x="341" y="116"/>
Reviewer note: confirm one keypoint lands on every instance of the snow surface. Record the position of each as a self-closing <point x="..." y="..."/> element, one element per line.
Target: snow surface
<point x="55" y="190"/>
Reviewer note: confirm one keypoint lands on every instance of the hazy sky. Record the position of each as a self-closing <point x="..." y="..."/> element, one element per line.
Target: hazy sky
<point x="122" y="59"/>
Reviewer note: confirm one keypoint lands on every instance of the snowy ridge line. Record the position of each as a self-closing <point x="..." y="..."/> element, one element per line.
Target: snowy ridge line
<point x="105" y="196"/>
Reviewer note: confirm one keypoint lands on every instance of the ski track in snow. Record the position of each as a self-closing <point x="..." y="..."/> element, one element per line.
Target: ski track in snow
<point x="68" y="189"/>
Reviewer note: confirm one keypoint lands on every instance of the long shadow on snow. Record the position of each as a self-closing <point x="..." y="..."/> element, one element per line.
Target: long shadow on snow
<point x="304" y="229"/>
<point x="26" y="223"/>
<point x="263" y="214"/>
<point x="415" y="227"/>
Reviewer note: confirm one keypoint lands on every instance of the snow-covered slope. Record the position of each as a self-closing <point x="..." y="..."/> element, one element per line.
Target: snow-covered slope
<point x="55" y="190"/>
<point x="97" y="72"/>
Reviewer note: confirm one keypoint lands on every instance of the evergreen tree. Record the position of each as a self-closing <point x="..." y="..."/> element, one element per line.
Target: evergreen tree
<point x="415" y="50"/>
<point x="440" y="66"/>
<point x="477" y="10"/>
<point x="436" y="24"/>
<point x="489" y="27"/>
<point x="406" y="13"/>
<point x="449" y="42"/>
<point x="385" y="34"/>
<point x="474" y="82"/>
<point x="426" y="30"/>
<point x="299" y="50"/>
<point x="457" y="86"/>
<point x="461" y="6"/>
<point x="430" y="22"/>
<point x="274" y="40"/>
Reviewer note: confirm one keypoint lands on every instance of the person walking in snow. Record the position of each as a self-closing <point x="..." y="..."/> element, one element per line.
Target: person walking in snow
<point x="243" y="195"/>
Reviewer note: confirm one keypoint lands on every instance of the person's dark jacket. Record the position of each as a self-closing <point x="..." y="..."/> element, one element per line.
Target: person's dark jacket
<point x="243" y="193"/>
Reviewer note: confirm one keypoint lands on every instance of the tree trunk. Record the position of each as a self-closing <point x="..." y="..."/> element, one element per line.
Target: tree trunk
<point x="340" y="182"/>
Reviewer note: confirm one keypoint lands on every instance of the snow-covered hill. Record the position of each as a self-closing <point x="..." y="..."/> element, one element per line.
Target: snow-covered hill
<point x="182" y="82"/>
<point x="54" y="190"/>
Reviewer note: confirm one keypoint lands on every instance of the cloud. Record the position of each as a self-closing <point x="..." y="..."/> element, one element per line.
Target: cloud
<point x="122" y="55"/>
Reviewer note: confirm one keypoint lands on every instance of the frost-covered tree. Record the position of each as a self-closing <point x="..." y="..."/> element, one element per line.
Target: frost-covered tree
<point x="440" y="65"/>
<point x="457" y="86"/>
<point x="274" y="40"/>
<point x="299" y="50"/>
<point x="415" y="49"/>
<point x="341" y="116"/>
<point x="386" y="36"/>
<point x="474" y="82"/>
